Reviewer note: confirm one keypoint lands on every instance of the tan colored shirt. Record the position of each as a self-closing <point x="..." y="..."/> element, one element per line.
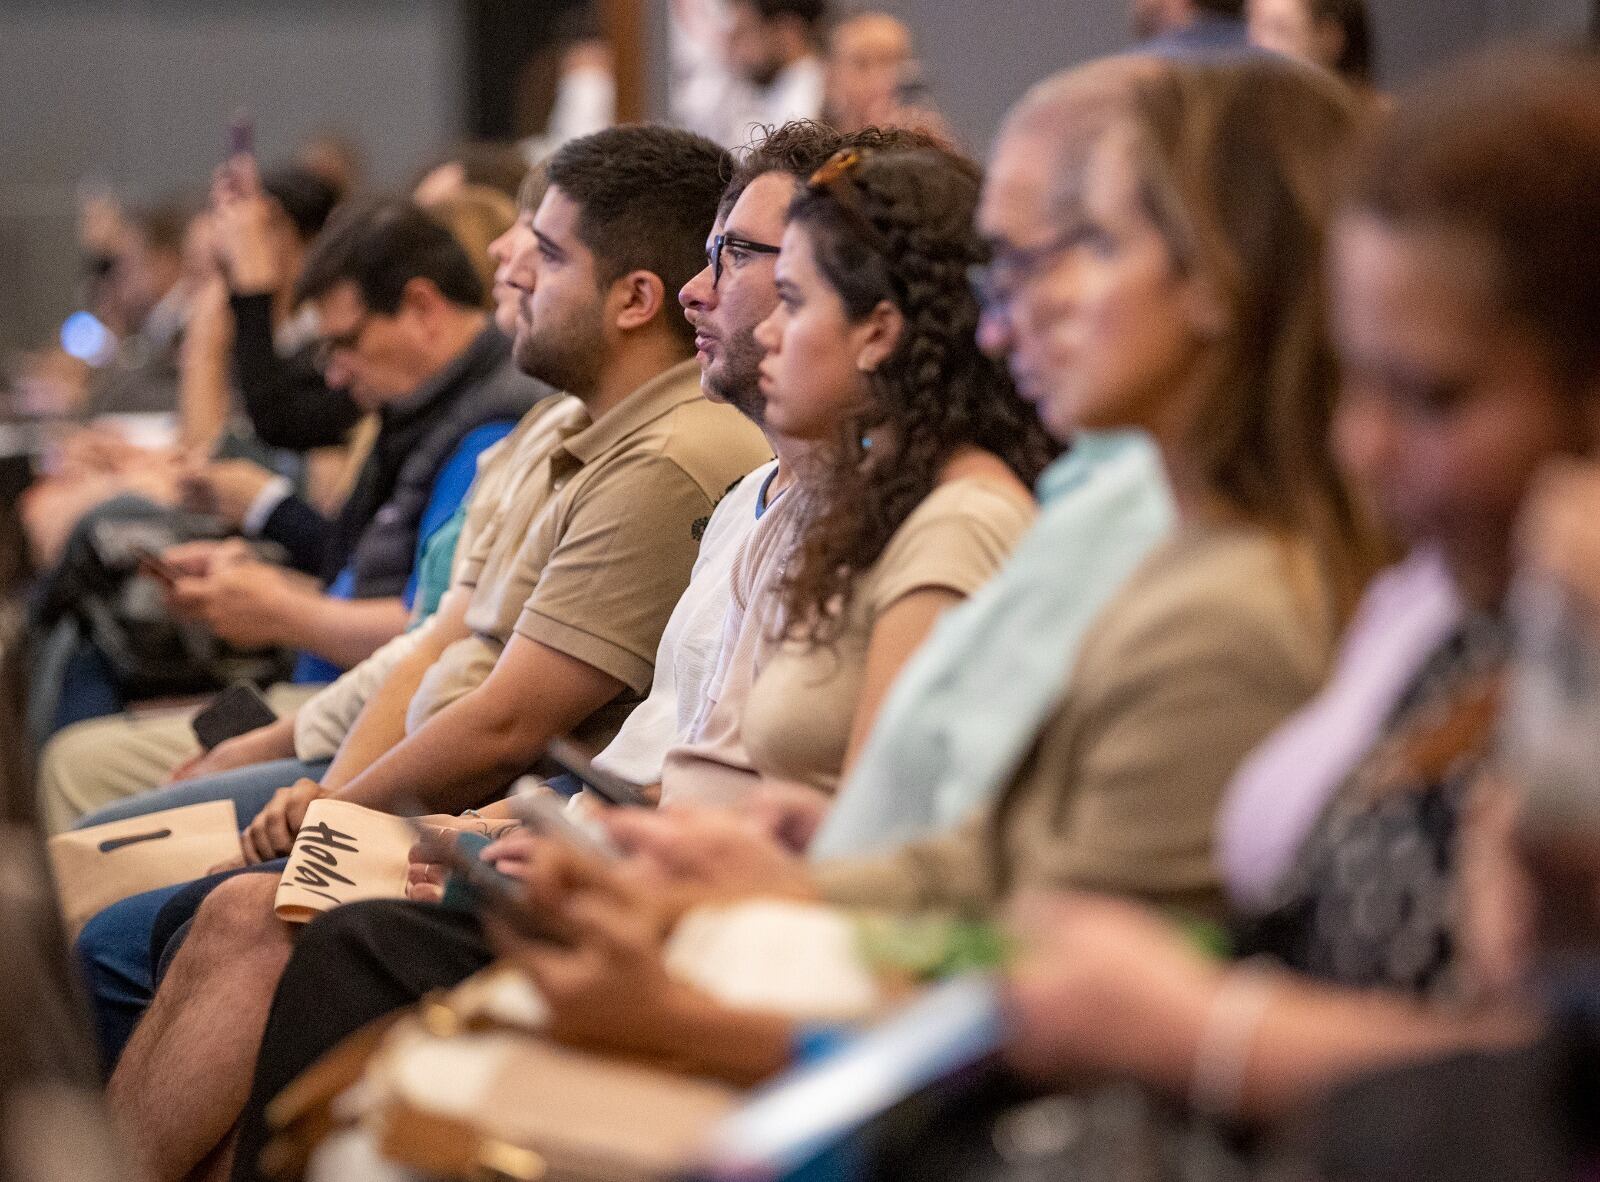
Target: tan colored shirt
<point x="1214" y="642"/>
<point x="711" y="765"/>
<point x="801" y="708"/>
<point x="592" y="553"/>
<point x="322" y="723"/>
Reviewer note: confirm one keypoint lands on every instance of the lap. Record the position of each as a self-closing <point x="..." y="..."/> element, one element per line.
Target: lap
<point x="250" y="788"/>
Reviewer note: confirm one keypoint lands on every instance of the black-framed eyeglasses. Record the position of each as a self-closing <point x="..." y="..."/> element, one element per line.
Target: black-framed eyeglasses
<point x="733" y="241"/>
<point x="327" y="346"/>
<point x="995" y="283"/>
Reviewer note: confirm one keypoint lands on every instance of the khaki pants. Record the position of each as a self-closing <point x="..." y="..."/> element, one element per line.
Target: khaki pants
<point x="92" y="764"/>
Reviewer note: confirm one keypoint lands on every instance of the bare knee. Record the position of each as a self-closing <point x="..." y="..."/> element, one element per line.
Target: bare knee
<point x="239" y="914"/>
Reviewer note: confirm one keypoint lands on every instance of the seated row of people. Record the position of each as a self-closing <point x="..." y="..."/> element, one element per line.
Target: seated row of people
<point x="877" y="675"/>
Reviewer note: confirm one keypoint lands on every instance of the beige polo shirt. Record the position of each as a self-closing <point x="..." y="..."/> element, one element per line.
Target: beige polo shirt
<point x="596" y="547"/>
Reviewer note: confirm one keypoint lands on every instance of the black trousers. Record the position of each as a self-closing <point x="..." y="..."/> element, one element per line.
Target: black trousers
<point x="350" y="967"/>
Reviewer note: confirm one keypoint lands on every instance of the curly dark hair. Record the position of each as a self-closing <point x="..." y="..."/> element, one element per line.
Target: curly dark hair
<point x="801" y="146"/>
<point x="898" y="226"/>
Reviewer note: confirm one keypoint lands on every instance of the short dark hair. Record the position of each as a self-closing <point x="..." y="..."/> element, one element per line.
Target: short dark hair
<point x="1505" y="150"/>
<point x="1233" y="8"/>
<point x="810" y="12"/>
<point x="647" y="196"/>
<point x="305" y="198"/>
<point x="381" y="246"/>
<point x="163" y="223"/>
<point x="1355" y="29"/>
<point x="799" y="148"/>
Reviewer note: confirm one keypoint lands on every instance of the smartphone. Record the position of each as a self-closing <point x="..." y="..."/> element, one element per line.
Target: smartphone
<point x="237" y="710"/>
<point x="156" y="567"/>
<point x="540" y="811"/>
<point x="567" y="756"/>
<point x="487" y="889"/>
<point x="241" y="135"/>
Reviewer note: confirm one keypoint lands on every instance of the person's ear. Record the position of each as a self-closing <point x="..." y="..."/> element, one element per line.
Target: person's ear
<point x="637" y="299"/>
<point x="878" y="336"/>
<point x="421" y="298"/>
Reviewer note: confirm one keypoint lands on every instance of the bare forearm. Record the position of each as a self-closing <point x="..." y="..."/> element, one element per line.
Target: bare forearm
<point x="381" y="724"/>
<point x="457" y="760"/>
<point x="1312" y="1037"/>
<point x="343" y="631"/>
<point x="203" y="401"/>
<point x="273" y="741"/>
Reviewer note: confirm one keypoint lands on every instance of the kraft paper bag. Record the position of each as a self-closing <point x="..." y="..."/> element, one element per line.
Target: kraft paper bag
<point x="344" y="853"/>
<point x="105" y="864"/>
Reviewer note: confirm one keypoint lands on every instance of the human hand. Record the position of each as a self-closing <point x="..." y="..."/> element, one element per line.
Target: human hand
<point x="243" y="227"/>
<point x="226" y="756"/>
<point x="225" y="488"/>
<point x="1558" y="537"/>
<point x="427" y="870"/>
<point x="790" y="811"/>
<point x="605" y="981"/>
<point x="1105" y="985"/>
<point x="271" y="834"/>
<point x="715" y="853"/>
<point x="246" y="604"/>
<point x="199" y="559"/>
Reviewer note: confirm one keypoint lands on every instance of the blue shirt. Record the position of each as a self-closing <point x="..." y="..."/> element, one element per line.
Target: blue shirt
<point x="966" y="708"/>
<point x="449" y="490"/>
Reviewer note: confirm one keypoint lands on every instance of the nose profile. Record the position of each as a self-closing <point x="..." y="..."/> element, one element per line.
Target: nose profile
<point x="698" y="292"/>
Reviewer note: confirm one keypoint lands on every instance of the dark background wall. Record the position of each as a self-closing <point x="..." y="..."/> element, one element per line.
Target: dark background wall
<point x="138" y="93"/>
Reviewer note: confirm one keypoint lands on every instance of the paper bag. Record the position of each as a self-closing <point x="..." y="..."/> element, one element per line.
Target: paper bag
<point x="343" y="853"/>
<point x="105" y="864"/>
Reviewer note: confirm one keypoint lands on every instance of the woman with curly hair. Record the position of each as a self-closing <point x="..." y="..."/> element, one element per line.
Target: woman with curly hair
<point x="915" y="487"/>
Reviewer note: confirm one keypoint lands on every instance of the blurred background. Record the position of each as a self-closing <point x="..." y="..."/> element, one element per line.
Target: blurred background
<point x="126" y="97"/>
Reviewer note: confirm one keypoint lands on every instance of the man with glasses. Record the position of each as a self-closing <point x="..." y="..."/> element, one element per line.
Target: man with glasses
<point x="404" y="333"/>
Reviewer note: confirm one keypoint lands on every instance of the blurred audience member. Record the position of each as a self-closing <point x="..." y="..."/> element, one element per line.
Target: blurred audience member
<point x="1333" y="34"/>
<point x="772" y="71"/>
<point x="476" y="215"/>
<point x="402" y="327"/>
<point x="473" y="162"/>
<point x="1189" y="28"/>
<point x="142" y="295"/>
<point x="337" y="159"/>
<point x="873" y="77"/>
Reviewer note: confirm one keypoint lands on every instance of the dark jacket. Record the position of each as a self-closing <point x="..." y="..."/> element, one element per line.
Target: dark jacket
<point x="375" y="533"/>
<point x="287" y="402"/>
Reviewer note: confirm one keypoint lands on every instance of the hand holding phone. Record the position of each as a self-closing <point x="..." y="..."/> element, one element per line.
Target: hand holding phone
<point x="236" y="711"/>
<point x="545" y="815"/>
<point x="158" y="568"/>
<point x="570" y="759"/>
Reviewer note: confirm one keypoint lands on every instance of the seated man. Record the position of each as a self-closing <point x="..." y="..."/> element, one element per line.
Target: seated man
<point x="410" y="343"/>
<point x="560" y="605"/>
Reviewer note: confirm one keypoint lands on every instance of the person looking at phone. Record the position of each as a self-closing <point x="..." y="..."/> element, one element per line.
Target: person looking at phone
<point x="402" y="330"/>
<point x="1117" y="319"/>
<point x="556" y="628"/>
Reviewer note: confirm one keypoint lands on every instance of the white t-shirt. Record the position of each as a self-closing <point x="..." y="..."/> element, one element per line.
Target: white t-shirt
<point x="690" y="643"/>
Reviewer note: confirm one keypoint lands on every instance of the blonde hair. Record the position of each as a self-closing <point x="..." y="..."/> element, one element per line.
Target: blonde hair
<point x="1237" y="165"/>
<point x="476" y="215"/>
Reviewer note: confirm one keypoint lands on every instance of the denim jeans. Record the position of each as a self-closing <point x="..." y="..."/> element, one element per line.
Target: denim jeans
<point x="114" y="949"/>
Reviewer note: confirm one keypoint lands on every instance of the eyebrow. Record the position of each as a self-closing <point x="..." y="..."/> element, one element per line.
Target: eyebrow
<point x="548" y="242"/>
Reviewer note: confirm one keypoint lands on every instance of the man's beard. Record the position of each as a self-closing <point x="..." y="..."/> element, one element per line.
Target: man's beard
<point x="736" y="377"/>
<point x="566" y="356"/>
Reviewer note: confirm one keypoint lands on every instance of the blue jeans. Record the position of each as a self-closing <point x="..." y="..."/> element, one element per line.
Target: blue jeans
<point x="250" y="788"/>
<point x="113" y="951"/>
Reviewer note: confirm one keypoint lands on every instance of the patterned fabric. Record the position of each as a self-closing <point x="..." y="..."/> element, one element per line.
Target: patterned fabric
<point x="1371" y="899"/>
